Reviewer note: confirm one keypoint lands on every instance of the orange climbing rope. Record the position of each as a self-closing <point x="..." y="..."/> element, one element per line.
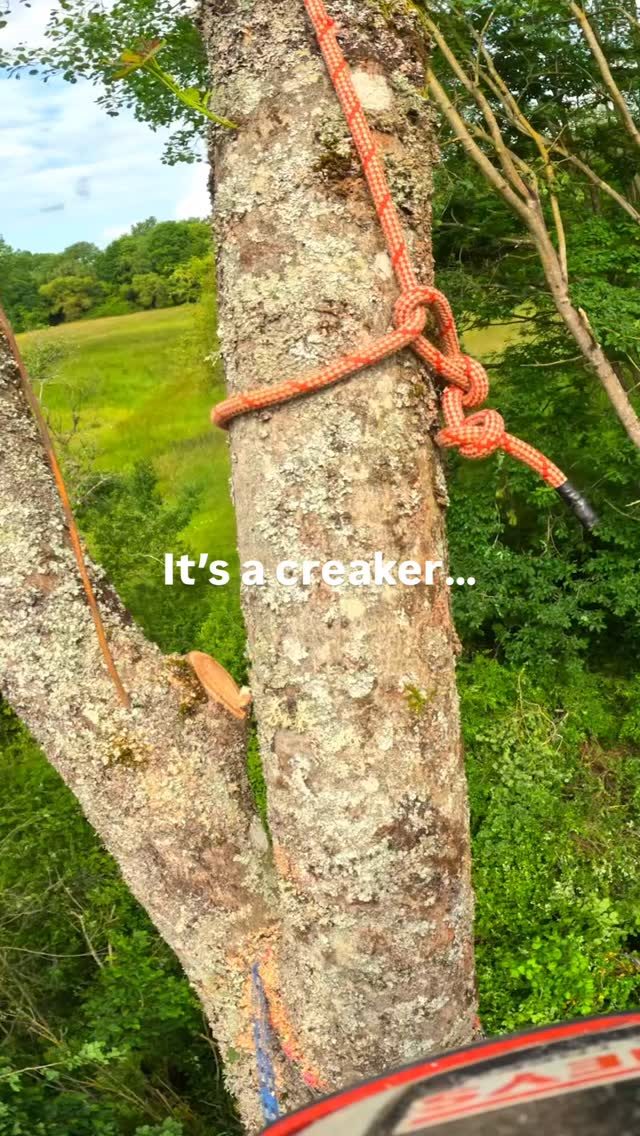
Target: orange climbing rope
<point x="474" y="435"/>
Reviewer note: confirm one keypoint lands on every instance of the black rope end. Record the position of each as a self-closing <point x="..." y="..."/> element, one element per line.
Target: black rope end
<point x="581" y="507"/>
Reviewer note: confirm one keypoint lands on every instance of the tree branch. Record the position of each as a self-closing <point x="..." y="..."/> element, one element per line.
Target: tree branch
<point x="617" y="98"/>
<point x="464" y="136"/>
<point x="515" y="114"/>
<point x="546" y="145"/>
<point x="164" y="782"/>
<point x="596" y="180"/>
<point x="553" y="263"/>
<point x="504" y="154"/>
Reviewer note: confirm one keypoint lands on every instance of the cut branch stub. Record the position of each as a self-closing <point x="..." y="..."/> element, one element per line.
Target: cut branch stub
<point x="219" y="684"/>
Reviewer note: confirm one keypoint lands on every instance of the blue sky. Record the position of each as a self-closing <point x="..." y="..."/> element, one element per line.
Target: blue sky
<point x="71" y="173"/>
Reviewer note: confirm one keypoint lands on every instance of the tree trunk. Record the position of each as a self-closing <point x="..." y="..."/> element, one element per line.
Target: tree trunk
<point x="360" y="914"/>
<point x="367" y="794"/>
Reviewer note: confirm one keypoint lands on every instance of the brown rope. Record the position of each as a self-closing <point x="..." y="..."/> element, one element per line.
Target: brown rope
<point x="74" y="535"/>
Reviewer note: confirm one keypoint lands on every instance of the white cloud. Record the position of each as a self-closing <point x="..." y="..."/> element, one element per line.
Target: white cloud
<point x="27" y="21"/>
<point x="51" y="141"/>
<point x="70" y="172"/>
<point x="196" y="201"/>
<point x="26" y="24"/>
<point x="12" y="148"/>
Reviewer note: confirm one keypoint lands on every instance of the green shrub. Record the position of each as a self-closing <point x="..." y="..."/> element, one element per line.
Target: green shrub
<point x="555" y="803"/>
<point x="112" y="306"/>
<point x="129" y="527"/>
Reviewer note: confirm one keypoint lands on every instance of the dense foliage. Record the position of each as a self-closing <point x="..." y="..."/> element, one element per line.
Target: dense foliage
<point x="99" y="1033"/>
<point x="85" y="41"/>
<point x="551" y="633"/>
<point x="549" y="693"/>
<point x="155" y="265"/>
<point x="549" y="679"/>
<point x="549" y="686"/>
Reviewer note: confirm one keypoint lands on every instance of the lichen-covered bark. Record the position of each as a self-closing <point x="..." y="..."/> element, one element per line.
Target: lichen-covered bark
<point x="367" y="795"/>
<point x="164" y="783"/>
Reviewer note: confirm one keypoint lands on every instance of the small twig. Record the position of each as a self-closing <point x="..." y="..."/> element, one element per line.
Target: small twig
<point x="625" y="515"/>
<point x="95" y="956"/>
<point x="144" y="58"/>
<point x="556" y="362"/>
<point x="29" y="1069"/>
<point x="43" y="954"/>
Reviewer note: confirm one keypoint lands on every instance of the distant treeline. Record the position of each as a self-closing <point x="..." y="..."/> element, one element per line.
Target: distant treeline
<point x="156" y="265"/>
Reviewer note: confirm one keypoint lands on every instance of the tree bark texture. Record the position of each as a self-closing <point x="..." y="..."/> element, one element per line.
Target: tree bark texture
<point x="359" y="911"/>
<point x="367" y="797"/>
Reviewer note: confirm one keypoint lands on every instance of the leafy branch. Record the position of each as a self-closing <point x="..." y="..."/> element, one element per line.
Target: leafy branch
<point x="144" y="58"/>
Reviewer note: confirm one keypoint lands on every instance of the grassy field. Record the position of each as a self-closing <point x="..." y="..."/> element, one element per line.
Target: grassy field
<point x="142" y="390"/>
<point x="491" y="340"/>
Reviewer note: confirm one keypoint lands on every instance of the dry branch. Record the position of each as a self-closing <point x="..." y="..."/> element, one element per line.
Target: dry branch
<point x="528" y="207"/>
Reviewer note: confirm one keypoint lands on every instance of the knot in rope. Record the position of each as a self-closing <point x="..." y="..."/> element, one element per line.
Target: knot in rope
<point x="447" y="361"/>
<point x="478" y="435"/>
<point x="410" y="311"/>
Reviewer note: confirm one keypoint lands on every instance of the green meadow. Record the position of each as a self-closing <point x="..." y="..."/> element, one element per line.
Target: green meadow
<point x="141" y="388"/>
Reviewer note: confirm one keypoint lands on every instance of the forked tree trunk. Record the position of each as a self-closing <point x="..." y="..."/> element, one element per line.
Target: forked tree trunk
<point x="361" y="912"/>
